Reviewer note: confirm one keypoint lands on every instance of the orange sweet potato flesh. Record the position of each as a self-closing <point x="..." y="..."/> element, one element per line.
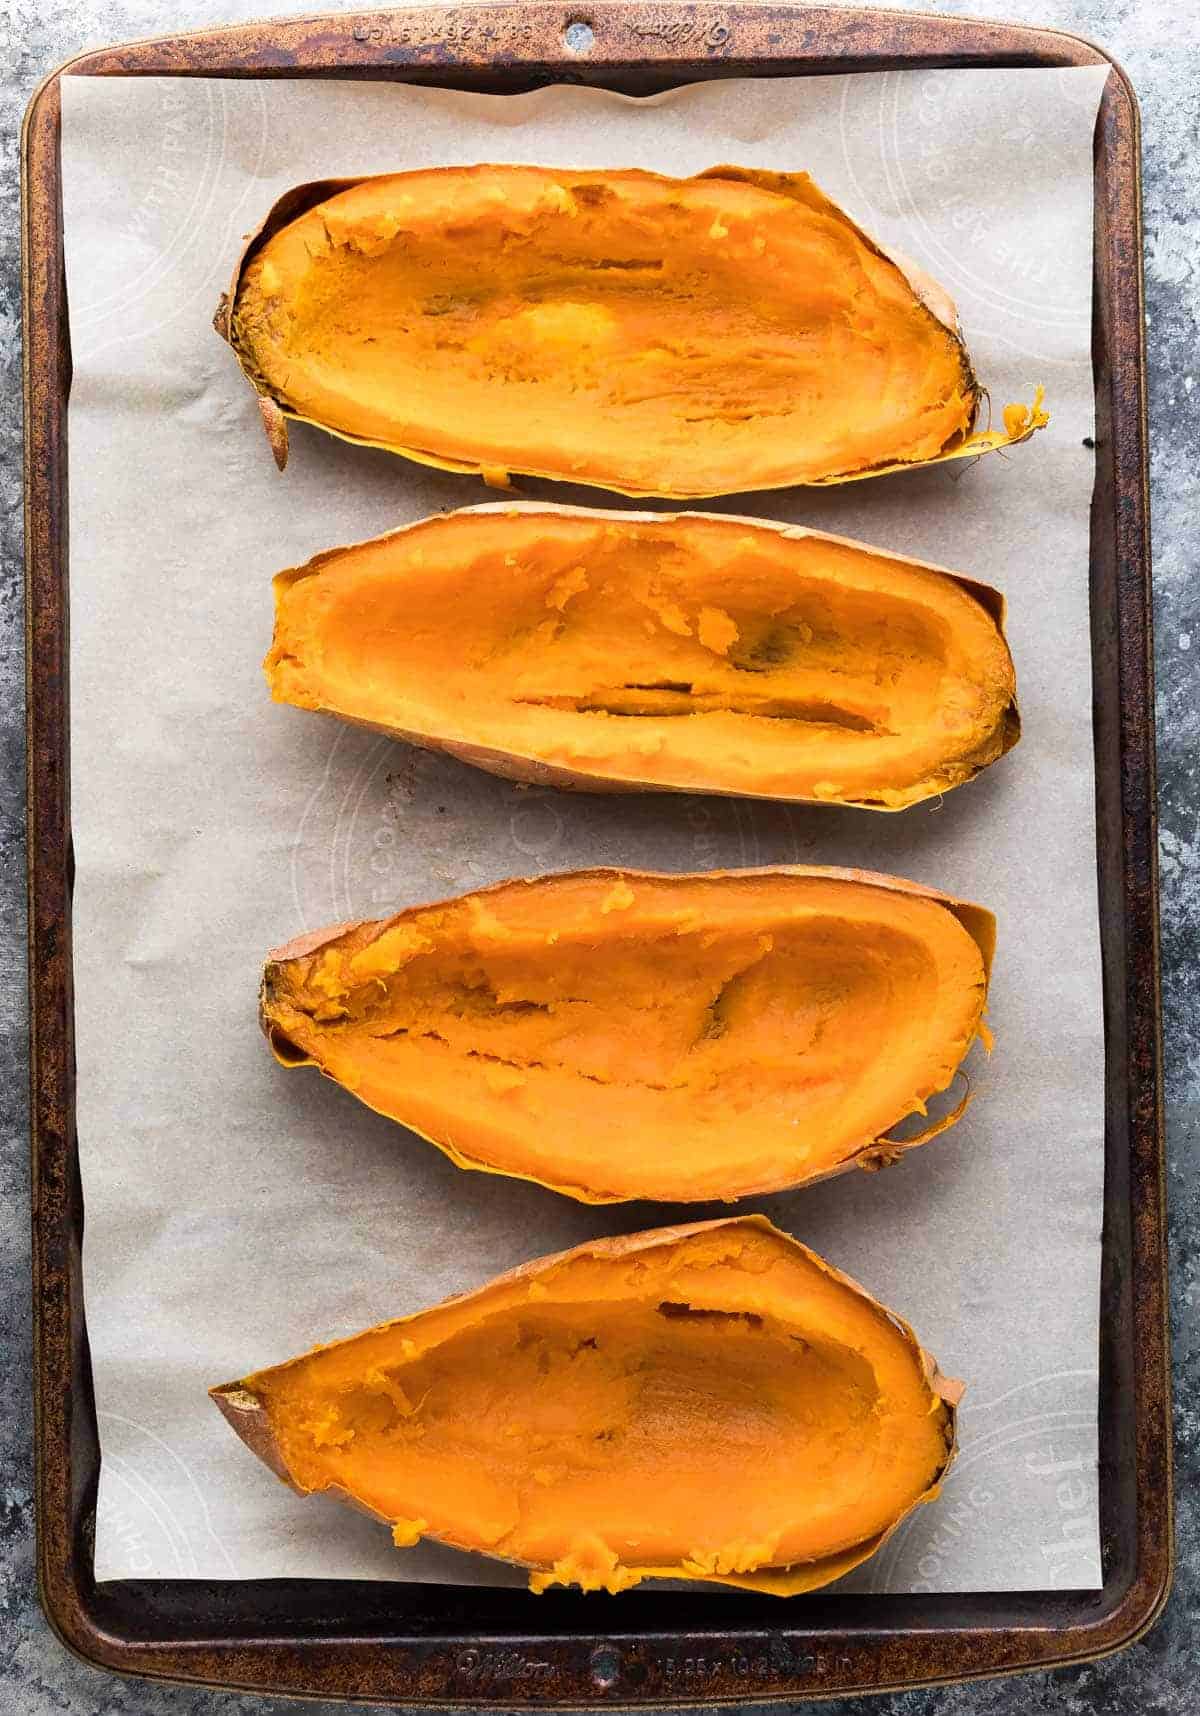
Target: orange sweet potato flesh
<point x="711" y="1402"/>
<point x="680" y="337"/>
<point x="619" y="1035"/>
<point x="634" y="650"/>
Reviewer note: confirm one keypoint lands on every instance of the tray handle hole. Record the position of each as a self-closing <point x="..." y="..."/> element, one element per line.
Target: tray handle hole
<point x="579" y="36"/>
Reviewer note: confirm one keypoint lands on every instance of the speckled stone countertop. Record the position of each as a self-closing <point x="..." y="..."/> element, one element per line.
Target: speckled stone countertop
<point x="1156" y="42"/>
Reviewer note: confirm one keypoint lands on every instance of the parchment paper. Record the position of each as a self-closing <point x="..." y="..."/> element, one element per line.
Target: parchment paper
<point x="237" y="1213"/>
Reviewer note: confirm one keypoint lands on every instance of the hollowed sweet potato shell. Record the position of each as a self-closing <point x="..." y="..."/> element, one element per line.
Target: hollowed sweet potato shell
<point x="711" y="1402"/>
<point x="642" y="651"/>
<point x="648" y="335"/>
<point x="625" y="1034"/>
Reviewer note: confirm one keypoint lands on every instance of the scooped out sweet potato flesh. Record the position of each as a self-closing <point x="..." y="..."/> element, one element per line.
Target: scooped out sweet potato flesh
<point x="627" y="650"/>
<point x="650" y="335"/>
<point x="620" y="1035"/>
<point x="711" y="1402"/>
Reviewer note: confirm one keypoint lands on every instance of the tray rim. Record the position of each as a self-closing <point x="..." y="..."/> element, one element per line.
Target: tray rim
<point x="1133" y="1610"/>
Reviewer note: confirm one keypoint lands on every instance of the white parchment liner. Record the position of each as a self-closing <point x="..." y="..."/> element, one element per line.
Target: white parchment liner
<point x="236" y="1213"/>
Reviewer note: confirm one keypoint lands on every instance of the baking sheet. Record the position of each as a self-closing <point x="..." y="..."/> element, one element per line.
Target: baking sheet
<point x="235" y="1212"/>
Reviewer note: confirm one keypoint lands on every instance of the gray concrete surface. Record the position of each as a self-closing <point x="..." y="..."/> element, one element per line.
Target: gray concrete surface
<point x="1158" y="42"/>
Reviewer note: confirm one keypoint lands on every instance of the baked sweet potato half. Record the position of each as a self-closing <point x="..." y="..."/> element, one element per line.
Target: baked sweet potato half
<point x="649" y="335"/>
<point x="620" y="1034"/>
<point x="711" y="1402"/>
<point x="627" y="651"/>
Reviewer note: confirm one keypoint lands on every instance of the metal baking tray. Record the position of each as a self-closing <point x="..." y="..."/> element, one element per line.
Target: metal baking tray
<point x="435" y="1644"/>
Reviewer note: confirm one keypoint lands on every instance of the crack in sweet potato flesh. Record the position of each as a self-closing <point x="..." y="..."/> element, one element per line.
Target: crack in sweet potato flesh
<point x="664" y="702"/>
<point x="716" y="1405"/>
<point x="660" y="336"/>
<point x="690" y="652"/>
<point x="675" y="1038"/>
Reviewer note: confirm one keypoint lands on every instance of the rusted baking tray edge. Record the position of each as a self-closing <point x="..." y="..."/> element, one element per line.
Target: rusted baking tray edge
<point x="426" y="1645"/>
